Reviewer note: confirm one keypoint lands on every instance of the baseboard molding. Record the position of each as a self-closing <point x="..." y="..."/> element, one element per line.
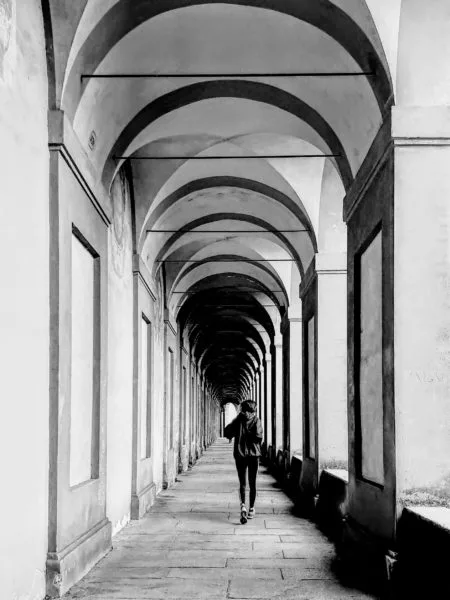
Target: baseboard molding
<point x="143" y="501"/>
<point x="66" y="567"/>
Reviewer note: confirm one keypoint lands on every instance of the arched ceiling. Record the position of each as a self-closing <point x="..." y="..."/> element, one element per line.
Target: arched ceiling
<point x="231" y="237"/>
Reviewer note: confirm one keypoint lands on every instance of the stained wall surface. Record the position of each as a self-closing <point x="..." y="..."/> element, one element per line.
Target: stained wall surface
<point x="120" y="357"/>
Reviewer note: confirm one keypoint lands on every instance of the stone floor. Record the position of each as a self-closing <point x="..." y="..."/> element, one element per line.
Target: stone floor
<point x="192" y="546"/>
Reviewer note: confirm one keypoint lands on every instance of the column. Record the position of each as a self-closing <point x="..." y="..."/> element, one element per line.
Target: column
<point x="262" y="398"/>
<point x="268" y="400"/>
<point x="278" y="392"/>
<point x="422" y="300"/>
<point x="295" y="379"/>
<point x="332" y="425"/>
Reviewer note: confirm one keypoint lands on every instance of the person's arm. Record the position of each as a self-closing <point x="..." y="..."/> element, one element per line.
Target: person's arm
<point x="230" y="429"/>
<point x="258" y="433"/>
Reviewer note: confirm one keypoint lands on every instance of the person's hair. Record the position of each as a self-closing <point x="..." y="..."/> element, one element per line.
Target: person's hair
<point x="248" y="406"/>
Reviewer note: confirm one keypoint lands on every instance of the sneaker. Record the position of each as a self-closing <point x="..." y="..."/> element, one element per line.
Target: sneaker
<point x="243" y="514"/>
<point x="251" y="513"/>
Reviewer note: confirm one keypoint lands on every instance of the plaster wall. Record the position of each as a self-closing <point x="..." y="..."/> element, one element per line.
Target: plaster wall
<point x="82" y="397"/>
<point x="422" y="321"/>
<point x="158" y="398"/>
<point x="422" y="73"/>
<point x="369" y="505"/>
<point x="371" y="366"/>
<point x="24" y="301"/>
<point x="332" y="360"/>
<point x="296" y="381"/>
<point x="120" y="358"/>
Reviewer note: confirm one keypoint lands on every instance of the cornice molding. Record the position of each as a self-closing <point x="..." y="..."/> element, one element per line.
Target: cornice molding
<point x="168" y="322"/>
<point x="63" y="141"/>
<point x="140" y="270"/>
<point x="309" y="278"/>
<point x="378" y="154"/>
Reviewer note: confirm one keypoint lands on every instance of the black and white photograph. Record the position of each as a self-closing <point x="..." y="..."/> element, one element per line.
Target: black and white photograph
<point x="225" y="299"/>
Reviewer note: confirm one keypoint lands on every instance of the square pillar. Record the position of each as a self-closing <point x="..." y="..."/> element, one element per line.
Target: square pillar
<point x="295" y="379"/>
<point x="262" y="398"/>
<point x="278" y="417"/>
<point x="332" y="425"/>
<point x="79" y="532"/>
<point x="324" y="301"/>
<point x="170" y="457"/>
<point x="422" y="303"/>
<point x="268" y="400"/>
<point x="143" y="488"/>
<point x="369" y="213"/>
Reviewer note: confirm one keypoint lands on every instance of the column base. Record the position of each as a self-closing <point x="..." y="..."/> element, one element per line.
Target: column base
<point x="68" y="566"/>
<point x="143" y="501"/>
<point x="363" y="556"/>
<point x="295" y="473"/>
<point x="169" y="470"/>
<point x="331" y="505"/>
<point x="183" y="459"/>
<point x="308" y="487"/>
<point x="192" y="455"/>
<point x="423" y="540"/>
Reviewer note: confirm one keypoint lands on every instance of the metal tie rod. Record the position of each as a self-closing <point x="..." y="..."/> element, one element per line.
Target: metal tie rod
<point x="227" y="231"/>
<point x="252" y="291"/>
<point x="228" y="260"/>
<point x="216" y="75"/>
<point x="227" y="157"/>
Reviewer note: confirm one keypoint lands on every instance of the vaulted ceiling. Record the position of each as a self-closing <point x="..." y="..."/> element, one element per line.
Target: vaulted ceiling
<point x="170" y="86"/>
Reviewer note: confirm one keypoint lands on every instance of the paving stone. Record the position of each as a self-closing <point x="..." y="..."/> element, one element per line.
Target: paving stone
<point x="307" y="550"/>
<point x="191" y="546"/>
<point x="308" y="573"/>
<point x="264" y="563"/>
<point x="126" y="573"/>
<point x="290" y="590"/>
<point x="156" y="588"/>
<point x="228" y="574"/>
<point x="315" y="546"/>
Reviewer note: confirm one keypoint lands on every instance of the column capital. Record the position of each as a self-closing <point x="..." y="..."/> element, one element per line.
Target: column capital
<point x="268" y="358"/>
<point x="420" y="125"/>
<point x="331" y="263"/>
<point x="295" y="313"/>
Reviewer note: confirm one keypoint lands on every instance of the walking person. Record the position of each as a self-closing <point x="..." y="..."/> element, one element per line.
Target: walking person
<point x="246" y="429"/>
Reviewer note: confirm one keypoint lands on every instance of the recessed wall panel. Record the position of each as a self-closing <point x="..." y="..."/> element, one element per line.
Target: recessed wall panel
<point x="370" y="363"/>
<point x="170" y="383"/>
<point x="83" y="362"/>
<point x="144" y="391"/>
<point x="311" y="388"/>
<point x="185" y="404"/>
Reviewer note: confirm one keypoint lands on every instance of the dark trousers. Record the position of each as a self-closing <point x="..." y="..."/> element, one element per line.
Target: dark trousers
<point x="242" y="464"/>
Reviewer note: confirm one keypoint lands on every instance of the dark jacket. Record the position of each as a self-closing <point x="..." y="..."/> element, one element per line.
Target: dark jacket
<point x="246" y="429"/>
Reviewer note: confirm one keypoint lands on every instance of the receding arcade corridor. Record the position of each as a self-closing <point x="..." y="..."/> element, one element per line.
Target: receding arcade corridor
<point x="192" y="546"/>
<point x="205" y="203"/>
